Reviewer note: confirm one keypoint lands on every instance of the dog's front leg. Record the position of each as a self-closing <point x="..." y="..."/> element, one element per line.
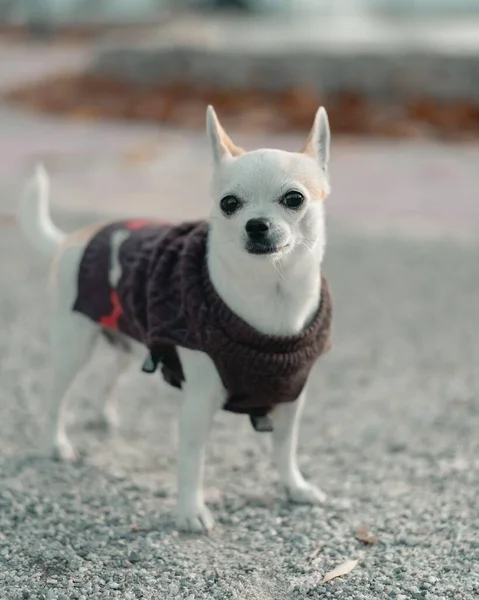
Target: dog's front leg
<point x="204" y="396"/>
<point x="286" y="419"/>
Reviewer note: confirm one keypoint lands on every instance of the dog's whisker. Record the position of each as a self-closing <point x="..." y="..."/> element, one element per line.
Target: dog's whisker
<point x="309" y="249"/>
<point x="278" y="270"/>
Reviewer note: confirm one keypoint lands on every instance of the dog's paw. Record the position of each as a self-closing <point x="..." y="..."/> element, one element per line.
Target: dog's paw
<point x="305" y="493"/>
<point x="199" y="520"/>
<point x="64" y="451"/>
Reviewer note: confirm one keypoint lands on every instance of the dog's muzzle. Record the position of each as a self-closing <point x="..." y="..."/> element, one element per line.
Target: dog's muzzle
<point x="259" y="239"/>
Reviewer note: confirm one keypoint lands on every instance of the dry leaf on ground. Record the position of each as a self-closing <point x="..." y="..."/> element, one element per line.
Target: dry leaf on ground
<point x="136" y="529"/>
<point x="363" y="535"/>
<point x="7" y="218"/>
<point x="87" y="96"/>
<point x="342" y="569"/>
<point x="143" y="153"/>
<point x="316" y="551"/>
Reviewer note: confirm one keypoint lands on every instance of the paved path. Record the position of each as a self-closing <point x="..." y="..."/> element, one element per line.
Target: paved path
<point x="130" y="168"/>
<point x="390" y="432"/>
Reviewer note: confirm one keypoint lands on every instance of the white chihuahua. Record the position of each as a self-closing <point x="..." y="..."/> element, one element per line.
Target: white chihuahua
<point x="259" y="316"/>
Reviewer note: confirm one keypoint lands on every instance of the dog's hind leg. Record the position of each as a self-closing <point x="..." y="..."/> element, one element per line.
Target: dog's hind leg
<point x="110" y="418"/>
<point x="71" y="341"/>
<point x="285" y="441"/>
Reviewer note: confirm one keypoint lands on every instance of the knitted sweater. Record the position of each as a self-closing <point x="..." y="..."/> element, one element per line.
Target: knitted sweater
<point x="150" y="281"/>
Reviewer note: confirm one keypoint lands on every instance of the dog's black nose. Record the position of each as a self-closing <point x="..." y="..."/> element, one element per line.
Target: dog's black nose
<point x="257" y="227"/>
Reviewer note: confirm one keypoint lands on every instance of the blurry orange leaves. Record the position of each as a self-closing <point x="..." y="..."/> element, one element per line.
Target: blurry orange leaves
<point x="88" y="96"/>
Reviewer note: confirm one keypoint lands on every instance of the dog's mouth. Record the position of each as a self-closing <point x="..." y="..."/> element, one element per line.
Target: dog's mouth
<point x="262" y="249"/>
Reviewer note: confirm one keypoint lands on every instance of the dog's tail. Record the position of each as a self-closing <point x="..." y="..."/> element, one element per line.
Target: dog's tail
<point x="34" y="215"/>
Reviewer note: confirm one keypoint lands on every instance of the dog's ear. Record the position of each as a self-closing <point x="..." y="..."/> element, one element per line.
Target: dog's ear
<point x="319" y="139"/>
<point x="221" y="144"/>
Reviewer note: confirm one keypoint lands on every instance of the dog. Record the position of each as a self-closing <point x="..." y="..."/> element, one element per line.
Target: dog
<point x="262" y="246"/>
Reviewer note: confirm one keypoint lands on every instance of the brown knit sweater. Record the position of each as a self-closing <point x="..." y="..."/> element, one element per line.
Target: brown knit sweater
<point x="164" y="299"/>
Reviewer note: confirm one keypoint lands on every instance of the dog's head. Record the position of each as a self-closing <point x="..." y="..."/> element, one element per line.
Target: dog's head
<point x="269" y="202"/>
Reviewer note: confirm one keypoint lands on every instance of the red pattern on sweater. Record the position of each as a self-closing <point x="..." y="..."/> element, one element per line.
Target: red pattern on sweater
<point x="111" y="320"/>
<point x="137" y="224"/>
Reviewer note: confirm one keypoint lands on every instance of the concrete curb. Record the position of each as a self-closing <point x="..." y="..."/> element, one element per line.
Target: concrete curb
<point x="382" y="59"/>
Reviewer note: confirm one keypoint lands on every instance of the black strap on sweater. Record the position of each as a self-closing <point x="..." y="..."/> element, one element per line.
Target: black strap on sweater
<point x="261" y="421"/>
<point x="170" y="365"/>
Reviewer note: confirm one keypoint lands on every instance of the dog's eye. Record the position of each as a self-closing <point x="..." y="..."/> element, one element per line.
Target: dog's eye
<point x="229" y="205"/>
<point x="293" y="200"/>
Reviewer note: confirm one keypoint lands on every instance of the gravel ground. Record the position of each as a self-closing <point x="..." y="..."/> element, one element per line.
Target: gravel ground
<point x="390" y="433"/>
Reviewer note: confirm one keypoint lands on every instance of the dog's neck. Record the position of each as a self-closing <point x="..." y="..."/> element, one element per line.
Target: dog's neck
<point x="278" y="297"/>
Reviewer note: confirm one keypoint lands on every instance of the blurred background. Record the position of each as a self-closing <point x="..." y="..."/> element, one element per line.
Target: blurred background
<point x="92" y="85"/>
<point x="110" y="95"/>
